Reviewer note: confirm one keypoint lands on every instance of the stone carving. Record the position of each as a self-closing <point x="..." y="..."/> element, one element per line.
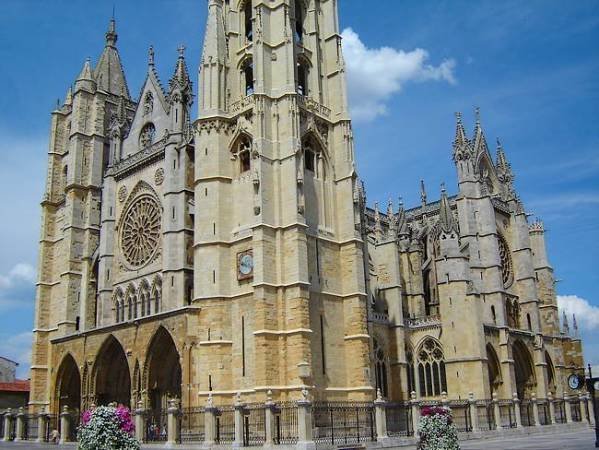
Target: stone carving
<point x="141" y="231"/>
<point x="123" y="194"/>
<point x="159" y="176"/>
<point x="506" y="262"/>
<point x="146" y="137"/>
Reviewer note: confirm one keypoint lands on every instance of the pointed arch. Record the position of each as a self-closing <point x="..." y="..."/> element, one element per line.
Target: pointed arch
<point x="111" y="373"/>
<point x="156" y="297"/>
<point x="551" y="380"/>
<point x="494" y="369"/>
<point x="137" y="385"/>
<point x="241" y="149"/>
<point x="380" y="358"/>
<point x="431" y="368"/>
<point x="523" y="369"/>
<point x="119" y="305"/>
<point x="162" y="372"/>
<point x="143" y="296"/>
<point x="68" y="384"/>
<point x="129" y="301"/>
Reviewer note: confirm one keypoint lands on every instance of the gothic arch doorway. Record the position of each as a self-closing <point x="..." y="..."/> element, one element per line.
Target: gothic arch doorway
<point x="68" y="385"/>
<point x="113" y="380"/>
<point x="494" y="369"/>
<point x="523" y="369"/>
<point x="163" y="374"/>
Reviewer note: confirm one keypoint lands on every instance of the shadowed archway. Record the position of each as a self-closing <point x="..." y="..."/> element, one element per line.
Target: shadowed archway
<point x="68" y="385"/>
<point x="494" y="369"/>
<point x="524" y="370"/>
<point x="113" y="380"/>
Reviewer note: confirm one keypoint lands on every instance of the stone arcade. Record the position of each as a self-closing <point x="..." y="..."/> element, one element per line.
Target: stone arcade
<point x="234" y="254"/>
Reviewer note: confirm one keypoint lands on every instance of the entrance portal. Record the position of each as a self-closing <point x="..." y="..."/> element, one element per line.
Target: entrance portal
<point x="113" y="380"/>
<point x="68" y="386"/>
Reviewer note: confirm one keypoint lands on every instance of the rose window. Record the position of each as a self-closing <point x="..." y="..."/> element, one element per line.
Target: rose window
<point x="506" y="262"/>
<point x="141" y="231"/>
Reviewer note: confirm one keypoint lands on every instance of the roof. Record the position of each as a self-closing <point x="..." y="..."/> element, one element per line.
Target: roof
<point x="9" y="360"/>
<point x="15" y="386"/>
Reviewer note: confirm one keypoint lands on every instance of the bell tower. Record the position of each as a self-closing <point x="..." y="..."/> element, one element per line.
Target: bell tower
<point x="278" y="256"/>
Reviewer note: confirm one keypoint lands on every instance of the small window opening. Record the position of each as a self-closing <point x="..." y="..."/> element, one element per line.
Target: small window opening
<point x="299" y="21"/>
<point x="249" y="24"/>
<point x="309" y="159"/>
<point x="302" y="79"/>
<point x="248" y="72"/>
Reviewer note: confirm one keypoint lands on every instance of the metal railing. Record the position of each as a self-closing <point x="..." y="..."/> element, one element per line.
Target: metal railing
<point x="192" y="425"/>
<point x="286" y="423"/>
<point x="343" y="423"/>
<point x="156" y="427"/>
<point x="460" y="412"/>
<point x="486" y="415"/>
<point x="254" y="424"/>
<point x="225" y="425"/>
<point x="507" y="413"/>
<point x="399" y="419"/>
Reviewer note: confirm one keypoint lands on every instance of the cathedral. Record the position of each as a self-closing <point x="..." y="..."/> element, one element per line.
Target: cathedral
<point x="233" y="252"/>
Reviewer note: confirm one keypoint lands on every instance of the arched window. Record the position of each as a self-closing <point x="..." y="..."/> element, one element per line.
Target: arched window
<point x="493" y="315"/>
<point x="144" y="295"/>
<point x="248" y="76"/>
<point x="248" y="22"/>
<point x="380" y="368"/>
<point x="505" y="258"/>
<point x="130" y="308"/>
<point x="310" y="154"/>
<point x="431" y="369"/>
<point x="146" y="137"/>
<point x="513" y="313"/>
<point x="65" y="174"/>
<point x="302" y="78"/>
<point x="157" y="295"/>
<point x="529" y="322"/>
<point x="299" y="21"/>
<point x="242" y="149"/>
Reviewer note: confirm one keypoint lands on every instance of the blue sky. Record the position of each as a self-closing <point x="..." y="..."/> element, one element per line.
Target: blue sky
<point x="530" y="66"/>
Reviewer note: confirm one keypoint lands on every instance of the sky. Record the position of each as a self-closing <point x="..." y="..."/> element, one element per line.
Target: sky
<point x="531" y="67"/>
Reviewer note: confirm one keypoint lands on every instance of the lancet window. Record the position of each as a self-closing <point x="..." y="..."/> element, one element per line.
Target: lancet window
<point x="380" y="368"/>
<point x="247" y="20"/>
<point x="431" y="369"/>
<point x="248" y="76"/>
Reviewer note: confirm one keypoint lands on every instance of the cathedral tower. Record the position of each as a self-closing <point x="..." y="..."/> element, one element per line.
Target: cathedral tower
<point x="278" y="259"/>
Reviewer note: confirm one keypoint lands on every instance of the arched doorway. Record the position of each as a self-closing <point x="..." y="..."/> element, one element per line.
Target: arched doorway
<point x="113" y="380"/>
<point x="551" y="385"/>
<point x="524" y="371"/>
<point x="68" y="385"/>
<point x="494" y="369"/>
<point x="163" y="371"/>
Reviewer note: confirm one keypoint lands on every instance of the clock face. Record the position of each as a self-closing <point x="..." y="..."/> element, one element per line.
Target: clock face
<point x="574" y="381"/>
<point x="246" y="264"/>
<point x="596" y="385"/>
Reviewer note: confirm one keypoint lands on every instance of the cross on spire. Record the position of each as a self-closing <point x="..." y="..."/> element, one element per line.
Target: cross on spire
<point x="181" y="50"/>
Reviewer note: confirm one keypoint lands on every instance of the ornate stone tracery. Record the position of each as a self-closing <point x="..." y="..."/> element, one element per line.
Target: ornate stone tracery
<point x="140" y="232"/>
<point x="507" y="273"/>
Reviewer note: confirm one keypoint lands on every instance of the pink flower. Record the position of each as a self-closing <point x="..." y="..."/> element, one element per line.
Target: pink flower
<point x="124" y="418"/>
<point x="85" y="417"/>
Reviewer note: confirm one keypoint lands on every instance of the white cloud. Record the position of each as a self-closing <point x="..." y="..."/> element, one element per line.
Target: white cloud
<point x="18" y="348"/>
<point x="376" y="74"/>
<point x="17" y="287"/>
<point x="587" y="315"/>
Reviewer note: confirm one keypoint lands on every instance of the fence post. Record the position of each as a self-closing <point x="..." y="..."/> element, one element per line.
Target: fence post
<point x="568" y="408"/>
<point x="209" y="422"/>
<point x="20" y="428"/>
<point x="304" y="423"/>
<point x="269" y="420"/>
<point x="550" y="400"/>
<point x="496" y="411"/>
<point x="238" y="422"/>
<point x="583" y="411"/>
<point x="380" y="417"/>
<point x="415" y="413"/>
<point x="42" y="420"/>
<point x="65" y="425"/>
<point x="7" y="420"/>
<point x="140" y="422"/>
<point x="517" y="411"/>
<point x="473" y="412"/>
<point x="172" y="429"/>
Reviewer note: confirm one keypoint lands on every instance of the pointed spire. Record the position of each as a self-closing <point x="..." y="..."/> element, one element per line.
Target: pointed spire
<point x="111" y="36"/>
<point x="86" y="72"/>
<point x="575" y="325"/>
<point x="180" y="80"/>
<point x="402" y="223"/>
<point x="68" y="100"/>
<point x="446" y="218"/>
<point x="504" y="170"/>
<point x="422" y="193"/>
<point x="151" y="56"/>
<point x="392" y="218"/>
<point x="479" y="140"/>
<point x="109" y="72"/>
<point x="378" y="229"/>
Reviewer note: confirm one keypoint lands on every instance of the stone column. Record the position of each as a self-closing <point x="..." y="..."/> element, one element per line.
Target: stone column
<point x="304" y="423"/>
<point x="496" y="412"/>
<point x="591" y="409"/>
<point x="551" y="403"/>
<point x="582" y="400"/>
<point x="535" y="409"/>
<point x="269" y="420"/>
<point x="140" y="422"/>
<point x="210" y="423"/>
<point x="415" y="404"/>
<point x="380" y="415"/>
<point x="7" y="420"/>
<point x="42" y="423"/>
<point x="65" y="425"/>
<point x="567" y="408"/>
<point x="20" y="428"/>
<point x="517" y="412"/>
<point x="473" y="413"/>
<point x="172" y="427"/>
<point x="239" y="410"/>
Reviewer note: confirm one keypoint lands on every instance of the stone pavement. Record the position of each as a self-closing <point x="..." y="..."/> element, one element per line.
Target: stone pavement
<point x="571" y="440"/>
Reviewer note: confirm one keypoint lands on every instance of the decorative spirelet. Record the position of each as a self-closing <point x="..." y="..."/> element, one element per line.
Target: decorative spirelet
<point x="140" y="233"/>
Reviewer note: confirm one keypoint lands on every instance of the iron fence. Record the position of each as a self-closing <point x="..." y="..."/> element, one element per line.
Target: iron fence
<point x="343" y="423"/>
<point x="156" y="426"/>
<point x="52" y="430"/>
<point x="31" y="431"/>
<point x="192" y="425"/>
<point x="460" y="413"/>
<point x="485" y="411"/>
<point x="399" y="419"/>
<point x="74" y="420"/>
<point x="254" y="424"/>
<point x="526" y="413"/>
<point x="12" y="431"/>
<point x="286" y="430"/>
<point x="225" y="425"/>
<point x="575" y="406"/>
<point x="507" y="414"/>
<point x="560" y="411"/>
<point x="544" y="413"/>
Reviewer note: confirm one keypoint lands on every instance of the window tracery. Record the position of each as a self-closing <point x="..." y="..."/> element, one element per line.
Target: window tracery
<point x="505" y="259"/>
<point x="380" y="368"/>
<point x="147" y="135"/>
<point x="140" y="232"/>
<point x="431" y="369"/>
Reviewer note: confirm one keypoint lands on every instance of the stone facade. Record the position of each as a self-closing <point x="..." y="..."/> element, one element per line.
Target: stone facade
<point x="235" y="253"/>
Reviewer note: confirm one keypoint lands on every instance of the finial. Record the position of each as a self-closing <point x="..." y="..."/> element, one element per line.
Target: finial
<point x="111" y="36"/>
<point x="390" y="206"/>
<point x="443" y="187"/>
<point x="422" y="192"/>
<point x="181" y="50"/>
<point x="400" y="202"/>
<point x="575" y="324"/>
<point x="477" y="114"/>
<point x="499" y="146"/>
<point x="151" y="55"/>
<point x="458" y="116"/>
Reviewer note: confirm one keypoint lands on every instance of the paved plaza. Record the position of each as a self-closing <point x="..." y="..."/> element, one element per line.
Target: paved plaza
<point x="572" y="440"/>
